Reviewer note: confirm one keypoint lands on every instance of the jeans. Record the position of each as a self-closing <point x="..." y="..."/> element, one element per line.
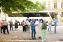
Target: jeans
<point x="49" y="28"/>
<point x="33" y="33"/>
<point x="55" y="24"/>
<point x="54" y="28"/>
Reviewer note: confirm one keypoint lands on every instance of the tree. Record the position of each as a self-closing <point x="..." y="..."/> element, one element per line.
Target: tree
<point x="14" y="5"/>
<point x="35" y="7"/>
<point x="39" y="6"/>
<point x="20" y="5"/>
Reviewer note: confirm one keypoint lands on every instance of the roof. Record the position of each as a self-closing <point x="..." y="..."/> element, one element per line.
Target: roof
<point x="44" y="11"/>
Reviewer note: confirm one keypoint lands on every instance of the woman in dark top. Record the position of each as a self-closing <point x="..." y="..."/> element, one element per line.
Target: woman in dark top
<point x="16" y="24"/>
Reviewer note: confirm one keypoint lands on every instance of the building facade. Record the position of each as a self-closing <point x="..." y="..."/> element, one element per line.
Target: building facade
<point x="56" y="6"/>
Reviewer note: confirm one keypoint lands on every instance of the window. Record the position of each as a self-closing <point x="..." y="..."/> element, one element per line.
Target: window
<point x="55" y="5"/>
<point x="36" y="14"/>
<point x="62" y="14"/>
<point x="61" y="5"/>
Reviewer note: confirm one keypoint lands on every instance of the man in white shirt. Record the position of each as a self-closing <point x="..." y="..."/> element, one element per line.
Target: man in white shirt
<point x="5" y="27"/>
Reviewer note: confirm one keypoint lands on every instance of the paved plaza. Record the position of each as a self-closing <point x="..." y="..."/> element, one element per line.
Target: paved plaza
<point x="18" y="34"/>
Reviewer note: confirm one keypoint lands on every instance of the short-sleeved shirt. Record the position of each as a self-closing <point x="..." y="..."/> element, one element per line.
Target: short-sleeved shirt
<point x="32" y="25"/>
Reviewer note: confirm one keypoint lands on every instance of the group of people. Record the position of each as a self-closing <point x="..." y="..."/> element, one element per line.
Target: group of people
<point x="4" y="26"/>
<point x="42" y="27"/>
<point x="26" y="27"/>
<point x="16" y="24"/>
<point x="54" y="21"/>
<point x="11" y="24"/>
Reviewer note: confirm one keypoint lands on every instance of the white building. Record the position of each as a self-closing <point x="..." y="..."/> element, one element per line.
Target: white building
<point x="55" y="5"/>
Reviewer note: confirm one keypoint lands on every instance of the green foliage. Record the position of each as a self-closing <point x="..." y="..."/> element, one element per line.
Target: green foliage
<point x="14" y="5"/>
<point x="9" y="6"/>
<point x="35" y="7"/>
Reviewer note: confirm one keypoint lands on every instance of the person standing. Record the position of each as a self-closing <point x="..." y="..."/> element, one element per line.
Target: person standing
<point x="1" y="26"/>
<point x="55" y="24"/>
<point x="33" y="30"/>
<point x="36" y="27"/>
<point x="27" y="25"/>
<point x="49" y="25"/>
<point x="44" y="28"/>
<point x="16" y="24"/>
<point x="11" y="25"/>
<point x="39" y="29"/>
<point x="24" y="26"/>
<point x="27" y="28"/>
<point x="5" y="27"/>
